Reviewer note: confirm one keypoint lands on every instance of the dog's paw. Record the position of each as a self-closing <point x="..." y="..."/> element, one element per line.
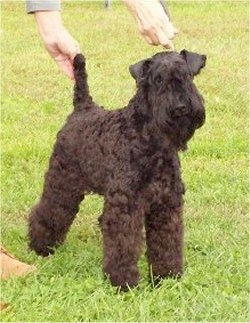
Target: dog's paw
<point x="43" y="251"/>
<point x="124" y="278"/>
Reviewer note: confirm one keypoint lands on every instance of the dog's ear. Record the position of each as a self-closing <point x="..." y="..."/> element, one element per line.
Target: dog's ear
<point x="194" y="61"/>
<point x="139" y="70"/>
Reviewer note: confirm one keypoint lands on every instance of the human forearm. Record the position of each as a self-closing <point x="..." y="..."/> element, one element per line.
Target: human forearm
<point x="49" y="23"/>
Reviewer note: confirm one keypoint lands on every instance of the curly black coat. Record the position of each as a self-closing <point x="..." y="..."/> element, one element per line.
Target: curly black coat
<point x="130" y="156"/>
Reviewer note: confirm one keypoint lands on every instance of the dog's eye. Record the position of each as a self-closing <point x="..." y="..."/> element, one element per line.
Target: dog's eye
<point x="158" y="80"/>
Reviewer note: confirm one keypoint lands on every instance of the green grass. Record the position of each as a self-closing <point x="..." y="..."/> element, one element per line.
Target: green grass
<point x="36" y="99"/>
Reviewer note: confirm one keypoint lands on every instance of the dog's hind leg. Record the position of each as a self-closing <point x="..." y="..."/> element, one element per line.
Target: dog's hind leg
<point x="121" y="225"/>
<point x="164" y="238"/>
<point x="51" y="218"/>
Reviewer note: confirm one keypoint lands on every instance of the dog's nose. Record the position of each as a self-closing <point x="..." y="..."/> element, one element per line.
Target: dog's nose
<point x="180" y="110"/>
<point x="204" y="59"/>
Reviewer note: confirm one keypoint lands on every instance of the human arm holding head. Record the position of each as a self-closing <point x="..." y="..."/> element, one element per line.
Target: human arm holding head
<point x="153" y="21"/>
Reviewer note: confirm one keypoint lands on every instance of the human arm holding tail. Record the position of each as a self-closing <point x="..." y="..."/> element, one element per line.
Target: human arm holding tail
<point x="152" y="20"/>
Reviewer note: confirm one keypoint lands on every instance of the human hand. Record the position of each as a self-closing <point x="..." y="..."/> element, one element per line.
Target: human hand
<point x="153" y="22"/>
<point x="61" y="46"/>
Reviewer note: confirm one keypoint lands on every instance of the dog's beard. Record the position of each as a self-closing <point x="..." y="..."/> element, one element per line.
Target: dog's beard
<point x="178" y="124"/>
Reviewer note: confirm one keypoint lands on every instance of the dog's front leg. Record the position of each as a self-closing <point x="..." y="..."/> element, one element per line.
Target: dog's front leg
<point x="121" y="225"/>
<point x="164" y="238"/>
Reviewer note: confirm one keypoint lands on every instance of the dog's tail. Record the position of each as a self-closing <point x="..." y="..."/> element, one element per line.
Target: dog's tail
<point x="82" y="99"/>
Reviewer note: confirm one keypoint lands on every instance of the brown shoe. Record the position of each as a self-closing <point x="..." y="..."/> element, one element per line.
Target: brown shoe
<point x="9" y="266"/>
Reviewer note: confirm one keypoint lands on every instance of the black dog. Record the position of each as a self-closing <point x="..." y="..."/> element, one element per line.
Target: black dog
<point x="131" y="157"/>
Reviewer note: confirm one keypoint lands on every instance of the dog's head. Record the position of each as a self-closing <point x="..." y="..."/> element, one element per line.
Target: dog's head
<point x="172" y="97"/>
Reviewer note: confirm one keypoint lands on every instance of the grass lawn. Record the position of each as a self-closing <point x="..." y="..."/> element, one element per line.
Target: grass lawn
<point x="36" y="99"/>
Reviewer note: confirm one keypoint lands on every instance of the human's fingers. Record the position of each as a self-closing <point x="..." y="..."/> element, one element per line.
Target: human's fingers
<point x="66" y="67"/>
<point x="169" y="45"/>
<point x="150" y="36"/>
<point x="68" y="45"/>
<point x="153" y="22"/>
<point x="155" y="35"/>
<point x="63" y="49"/>
<point x="169" y="30"/>
<point x="149" y="40"/>
<point x="164" y="40"/>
